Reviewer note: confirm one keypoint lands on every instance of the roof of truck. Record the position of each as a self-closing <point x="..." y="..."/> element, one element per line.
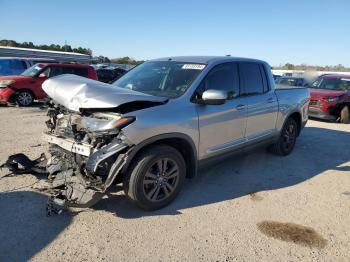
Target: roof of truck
<point x="206" y="59"/>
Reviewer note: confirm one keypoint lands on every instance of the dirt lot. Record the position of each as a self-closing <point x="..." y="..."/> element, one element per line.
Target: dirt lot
<point x="257" y="207"/>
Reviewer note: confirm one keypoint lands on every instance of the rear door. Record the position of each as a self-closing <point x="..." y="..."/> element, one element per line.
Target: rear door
<point x="262" y="104"/>
<point x="221" y="127"/>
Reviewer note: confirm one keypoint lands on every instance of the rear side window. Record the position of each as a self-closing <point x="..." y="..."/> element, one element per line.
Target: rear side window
<point x="251" y="79"/>
<point x="221" y="77"/>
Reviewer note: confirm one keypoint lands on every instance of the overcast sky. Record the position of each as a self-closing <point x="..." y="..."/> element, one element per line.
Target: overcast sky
<point x="299" y="31"/>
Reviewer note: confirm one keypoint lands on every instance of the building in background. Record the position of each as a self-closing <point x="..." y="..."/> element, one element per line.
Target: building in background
<point x="59" y="56"/>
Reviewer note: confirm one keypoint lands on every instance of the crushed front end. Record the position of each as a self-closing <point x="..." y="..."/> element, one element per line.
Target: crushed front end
<point x="87" y="151"/>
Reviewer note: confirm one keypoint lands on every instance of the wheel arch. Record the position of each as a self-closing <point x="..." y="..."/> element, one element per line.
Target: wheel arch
<point x="340" y="107"/>
<point x="13" y="97"/>
<point x="179" y="141"/>
<point x="298" y="119"/>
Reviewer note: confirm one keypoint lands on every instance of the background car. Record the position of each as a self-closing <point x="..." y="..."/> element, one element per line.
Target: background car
<point x="291" y="81"/>
<point x="26" y="87"/>
<point x="330" y="98"/>
<point x="16" y="66"/>
<point x="275" y="77"/>
<point x="107" y="75"/>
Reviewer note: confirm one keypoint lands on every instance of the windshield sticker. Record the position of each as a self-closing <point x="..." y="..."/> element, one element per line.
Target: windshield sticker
<point x="193" y="66"/>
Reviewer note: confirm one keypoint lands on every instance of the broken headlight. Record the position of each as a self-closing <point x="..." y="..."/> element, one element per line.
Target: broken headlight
<point x="104" y="125"/>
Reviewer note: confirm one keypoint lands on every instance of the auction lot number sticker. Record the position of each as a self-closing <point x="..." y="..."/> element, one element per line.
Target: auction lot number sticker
<point x="193" y="66"/>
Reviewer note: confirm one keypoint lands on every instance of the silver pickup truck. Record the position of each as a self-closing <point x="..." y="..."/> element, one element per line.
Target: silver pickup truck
<point x="154" y="126"/>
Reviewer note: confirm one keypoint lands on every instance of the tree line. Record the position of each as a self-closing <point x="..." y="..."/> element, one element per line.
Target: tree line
<point x="305" y="67"/>
<point x="131" y="61"/>
<point x="51" y="47"/>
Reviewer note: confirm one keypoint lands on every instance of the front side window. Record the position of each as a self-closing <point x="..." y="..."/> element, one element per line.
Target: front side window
<point x="222" y="77"/>
<point x="251" y="78"/>
<point x="55" y="71"/>
<point x="161" y="78"/>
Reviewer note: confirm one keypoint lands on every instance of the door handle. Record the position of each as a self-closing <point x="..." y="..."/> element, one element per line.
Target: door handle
<point x="270" y="100"/>
<point x="240" y="107"/>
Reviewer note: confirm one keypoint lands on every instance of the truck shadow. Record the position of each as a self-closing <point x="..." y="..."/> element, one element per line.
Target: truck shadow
<point x="24" y="226"/>
<point x="28" y="230"/>
<point x="317" y="150"/>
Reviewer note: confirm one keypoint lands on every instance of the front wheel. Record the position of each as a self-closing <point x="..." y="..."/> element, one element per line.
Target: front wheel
<point x="344" y="115"/>
<point x="155" y="177"/>
<point x="287" y="139"/>
<point x="24" y="98"/>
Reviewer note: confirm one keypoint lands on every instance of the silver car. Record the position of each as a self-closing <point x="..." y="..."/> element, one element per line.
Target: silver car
<point x="154" y="126"/>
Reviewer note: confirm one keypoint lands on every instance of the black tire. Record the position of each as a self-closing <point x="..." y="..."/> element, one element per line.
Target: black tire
<point x="151" y="181"/>
<point x="344" y="115"/>
<point x="24" y="98"/>
<point x="287" y="139"/>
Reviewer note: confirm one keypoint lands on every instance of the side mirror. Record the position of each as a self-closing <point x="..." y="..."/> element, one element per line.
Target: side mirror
<point x="42" y="75"/>
<point x="214" y="97"/>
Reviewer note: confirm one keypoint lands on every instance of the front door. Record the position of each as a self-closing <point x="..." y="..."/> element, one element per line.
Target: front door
<point x="221" y="127"/>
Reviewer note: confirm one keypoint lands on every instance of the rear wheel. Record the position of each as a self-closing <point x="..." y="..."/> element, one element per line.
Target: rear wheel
<point x="155" y="177"/>
<point x="344" y="115"/>
<point x="24" y="98"/>
<point x="287" y="139"/>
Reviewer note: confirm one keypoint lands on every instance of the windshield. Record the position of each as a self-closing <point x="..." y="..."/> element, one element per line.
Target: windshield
<point x="33" y="71"/>
<point x="337" y="84"/>
<point x="168" y="79"/>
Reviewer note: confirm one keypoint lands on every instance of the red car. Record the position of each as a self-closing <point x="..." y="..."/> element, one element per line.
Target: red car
<point x="25" y="88"/>
<point x="330" y="98"/>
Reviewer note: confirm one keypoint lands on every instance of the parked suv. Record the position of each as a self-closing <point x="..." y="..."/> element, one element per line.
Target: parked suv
<point x="25" y="88"/>
<point x="330" y="98"/>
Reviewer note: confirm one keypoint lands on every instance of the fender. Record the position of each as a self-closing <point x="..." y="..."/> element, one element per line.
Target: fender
<point x="193" y="163"/>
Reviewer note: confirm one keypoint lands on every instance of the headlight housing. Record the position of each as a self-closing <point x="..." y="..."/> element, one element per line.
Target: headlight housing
<point x="105" y="125"/>
<point x="331" y="99"/>
<point x="6" y="83"/>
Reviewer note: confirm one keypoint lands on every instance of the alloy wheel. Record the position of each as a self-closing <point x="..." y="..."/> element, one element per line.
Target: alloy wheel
<point x="24" y="98"/>
<point x="289" y="137"/>
<point x="161" y="179"/>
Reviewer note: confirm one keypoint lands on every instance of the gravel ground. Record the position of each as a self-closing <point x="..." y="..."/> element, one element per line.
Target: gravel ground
<point x="256" y="207"/>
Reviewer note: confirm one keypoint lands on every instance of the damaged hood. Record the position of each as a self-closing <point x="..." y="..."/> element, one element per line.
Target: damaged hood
<point x="76" y="93"/>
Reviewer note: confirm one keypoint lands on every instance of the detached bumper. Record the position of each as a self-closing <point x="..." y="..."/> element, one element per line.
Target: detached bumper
<point x="318" y="113"/>
<point x="83" y="185"/>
